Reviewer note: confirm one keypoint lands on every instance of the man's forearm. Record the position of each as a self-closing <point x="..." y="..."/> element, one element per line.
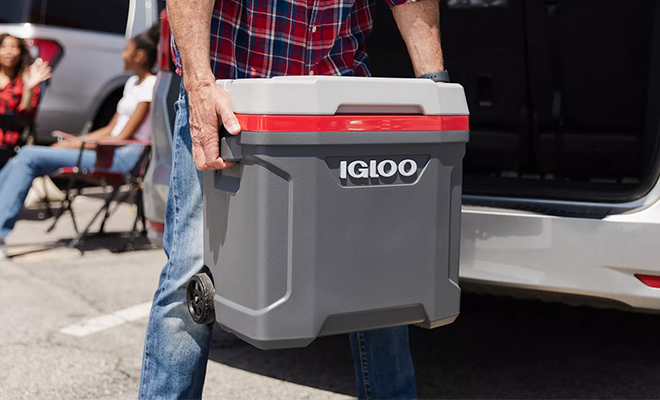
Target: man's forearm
<point x="419" y="24"/>
<point x="190" y="21"/>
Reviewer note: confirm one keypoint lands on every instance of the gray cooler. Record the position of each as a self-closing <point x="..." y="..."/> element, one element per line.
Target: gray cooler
<point x="343" y="212"/>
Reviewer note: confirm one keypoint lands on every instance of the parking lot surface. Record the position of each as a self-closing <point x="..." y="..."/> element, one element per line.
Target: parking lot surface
<point x="73" y="328"/>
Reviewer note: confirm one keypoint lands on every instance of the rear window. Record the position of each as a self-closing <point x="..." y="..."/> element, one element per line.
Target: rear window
<point x="102" y="16"/>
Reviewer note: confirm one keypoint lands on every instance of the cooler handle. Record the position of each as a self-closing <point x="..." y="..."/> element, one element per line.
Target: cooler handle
<point x="230" y="149"/>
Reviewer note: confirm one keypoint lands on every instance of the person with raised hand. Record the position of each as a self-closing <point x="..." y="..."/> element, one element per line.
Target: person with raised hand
<point x="20" y="77"/>
<point x="131" y="121"/>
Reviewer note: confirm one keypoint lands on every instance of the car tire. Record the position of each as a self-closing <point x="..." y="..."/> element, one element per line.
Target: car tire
<point x="107" y="110"/>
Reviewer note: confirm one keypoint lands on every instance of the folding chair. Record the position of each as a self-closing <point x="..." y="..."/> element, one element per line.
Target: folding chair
<point x="101" y="175"/>
<point x="15" y="131"/>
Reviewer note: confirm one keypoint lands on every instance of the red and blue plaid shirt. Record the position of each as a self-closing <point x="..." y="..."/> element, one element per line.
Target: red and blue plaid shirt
<point x="264" y="38"/>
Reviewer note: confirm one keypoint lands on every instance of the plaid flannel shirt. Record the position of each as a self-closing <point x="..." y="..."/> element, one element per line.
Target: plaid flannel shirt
<point x="264" y="38"/>
<point x="10" y="102"/>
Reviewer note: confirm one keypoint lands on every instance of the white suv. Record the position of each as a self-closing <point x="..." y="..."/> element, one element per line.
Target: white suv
<point x="84" y="40"/>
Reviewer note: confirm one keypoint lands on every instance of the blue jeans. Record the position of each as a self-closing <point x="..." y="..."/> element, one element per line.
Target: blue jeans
<point x="176" y="349"/>
<point x="32" y="161"/>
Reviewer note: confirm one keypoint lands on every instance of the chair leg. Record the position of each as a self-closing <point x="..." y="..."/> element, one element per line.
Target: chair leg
<point x="68" y="200"/>
<point x="137" y="213"/>
<point x="66" y="206"/>
<point x="143" y="218"/>
<point x="120" y="200"/>
<point x="101" y="231"/>
<point x="75" y="242"/>
<point x="57" y="218"/>
<point x="110" y="212"/>
<point x="46" y="199"/>
<point x="128" y="246"/>
<point x="49" y="209"/>
<point x="105" y="218"/>
<point x="131" y="237"/>
<point x="73" y="217"/>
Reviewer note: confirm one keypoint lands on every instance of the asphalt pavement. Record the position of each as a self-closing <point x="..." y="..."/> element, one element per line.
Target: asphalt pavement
<point x="72" y="327"/>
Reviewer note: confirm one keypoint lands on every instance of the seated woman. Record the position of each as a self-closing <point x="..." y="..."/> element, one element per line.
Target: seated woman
<point x="19" y="86"/>
<point x="131" y="121"/>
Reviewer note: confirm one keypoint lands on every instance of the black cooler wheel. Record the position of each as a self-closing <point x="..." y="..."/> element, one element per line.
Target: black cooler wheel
<point x="199" y="297"/>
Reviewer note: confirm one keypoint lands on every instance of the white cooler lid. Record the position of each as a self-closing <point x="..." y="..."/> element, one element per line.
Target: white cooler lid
<point x="331" y="95"/>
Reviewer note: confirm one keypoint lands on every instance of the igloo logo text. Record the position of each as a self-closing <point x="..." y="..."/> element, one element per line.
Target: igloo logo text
<point x="374" y="169"/>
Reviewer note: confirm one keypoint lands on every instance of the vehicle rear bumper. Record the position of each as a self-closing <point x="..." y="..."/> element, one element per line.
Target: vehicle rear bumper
<point x="595" y="258"/>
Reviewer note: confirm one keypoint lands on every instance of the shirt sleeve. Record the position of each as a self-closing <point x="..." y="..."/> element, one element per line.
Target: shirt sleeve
<point x="36" y="93"/>
<point x="146" y="93"/>
<point x="130" y="84"/>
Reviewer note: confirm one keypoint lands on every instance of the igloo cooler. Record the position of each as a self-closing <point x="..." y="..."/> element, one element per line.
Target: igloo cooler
<point x="342" y="213"/>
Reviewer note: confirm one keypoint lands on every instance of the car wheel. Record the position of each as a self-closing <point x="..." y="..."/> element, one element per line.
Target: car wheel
<point x="107" y="110"/>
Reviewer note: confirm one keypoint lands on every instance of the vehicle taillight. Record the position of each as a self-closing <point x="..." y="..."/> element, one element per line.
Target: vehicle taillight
<point x="47" y="50"/>
<point x="164" y="57"/>
<point x="649" y="280"/>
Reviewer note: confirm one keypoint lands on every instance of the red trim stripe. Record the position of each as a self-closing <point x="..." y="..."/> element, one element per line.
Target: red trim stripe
<point x="352" y="123"/>
<point x="156" y="226"/>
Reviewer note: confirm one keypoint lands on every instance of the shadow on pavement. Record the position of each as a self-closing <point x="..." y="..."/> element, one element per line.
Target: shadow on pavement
<point x="498" y="348"/>
<point x="326" y="364"/>
<point x="40" y="211"/>
<point x="115" y="242"/>
<point x="506" y="348"/>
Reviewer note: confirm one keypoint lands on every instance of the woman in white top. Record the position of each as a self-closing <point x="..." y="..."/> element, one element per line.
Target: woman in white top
<point x="131" y="121"/>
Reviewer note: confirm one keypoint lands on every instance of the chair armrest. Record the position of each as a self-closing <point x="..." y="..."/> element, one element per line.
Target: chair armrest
<point x="62" y="135"/>
<point x="121" y="143"/>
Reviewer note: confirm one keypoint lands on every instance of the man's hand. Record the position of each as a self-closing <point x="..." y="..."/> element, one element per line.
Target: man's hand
<point x="210" y="110"/>
<point x="209" y="105"/>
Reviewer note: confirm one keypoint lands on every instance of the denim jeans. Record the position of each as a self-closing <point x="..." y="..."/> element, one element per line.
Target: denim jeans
<point x="17" y="175"/>
<point x="176" y="349"/>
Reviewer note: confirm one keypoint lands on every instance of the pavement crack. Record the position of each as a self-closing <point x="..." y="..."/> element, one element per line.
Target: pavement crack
<point x="118" y="368"/>
<point x="52" y="341"/>
<point x="70" y="290"/>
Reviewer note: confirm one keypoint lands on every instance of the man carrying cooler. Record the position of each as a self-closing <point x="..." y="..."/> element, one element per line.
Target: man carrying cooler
<point x="236" y="39"/>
